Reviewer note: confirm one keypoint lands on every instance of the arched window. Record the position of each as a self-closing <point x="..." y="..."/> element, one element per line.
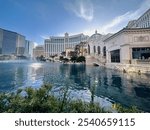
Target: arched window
<point x="88" y="49"/>
<point x="99" y="50"/>
<point x="94" y="49"/>
<point x="104" y="51"/>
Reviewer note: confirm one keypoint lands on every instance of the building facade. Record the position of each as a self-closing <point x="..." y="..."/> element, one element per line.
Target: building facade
<point x="11" y="43"/>
<point x="96" y="48"/>
<point x="96" y="45"/>
<point x="141" y="22"/>
<point x="129" y="46"/>
<point x="57" y="45"/>
<point x="38" y="51"/>
<point x="29" y="45"/>
<point x="20" y="45"/>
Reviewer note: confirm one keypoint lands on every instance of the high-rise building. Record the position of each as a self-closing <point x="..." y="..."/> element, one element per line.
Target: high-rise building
<point x="20" y="47"/>
<point x="11" y="43"/>
<point x="141" y="22"/>
<point x="29" y="45"/>
<point x="57" y="45"/>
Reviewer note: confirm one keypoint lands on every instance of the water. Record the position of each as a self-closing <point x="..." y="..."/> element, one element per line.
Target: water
<point x="110" y="86"/>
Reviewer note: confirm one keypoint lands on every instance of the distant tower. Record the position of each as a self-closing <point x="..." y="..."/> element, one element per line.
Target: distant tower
<point x="66" y="35"/>
<point x="66" y="43"/>
<point x="95" y="31"/>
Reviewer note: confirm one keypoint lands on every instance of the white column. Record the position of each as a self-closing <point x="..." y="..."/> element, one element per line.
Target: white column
<point x="57" y="48"/>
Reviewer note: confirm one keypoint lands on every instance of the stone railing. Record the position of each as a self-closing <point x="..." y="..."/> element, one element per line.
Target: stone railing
<point x="141" y="61"/>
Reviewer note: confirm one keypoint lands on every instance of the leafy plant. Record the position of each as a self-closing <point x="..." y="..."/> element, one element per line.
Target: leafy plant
<point x="41" y="100"/>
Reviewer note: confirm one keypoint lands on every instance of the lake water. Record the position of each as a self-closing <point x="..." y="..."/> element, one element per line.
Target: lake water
<point x="110" y="86"/>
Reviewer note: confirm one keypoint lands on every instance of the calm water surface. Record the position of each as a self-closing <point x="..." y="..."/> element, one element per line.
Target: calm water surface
<point x="110" y="86"/>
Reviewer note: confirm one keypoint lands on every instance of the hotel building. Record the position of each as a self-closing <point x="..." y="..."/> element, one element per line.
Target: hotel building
<point x="57" y="45"/>
<point x="29" y="45"/>
<point x="38" y="51"/>
<point x="11" y="43"/>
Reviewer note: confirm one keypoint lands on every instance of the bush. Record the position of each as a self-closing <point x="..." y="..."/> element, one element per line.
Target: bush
<point x="73" y="59"/>
<point x="65" y="60"/>
<point x="121" y="109"/>
<point x="81" y="59"/>
<point x="42" y="101"/>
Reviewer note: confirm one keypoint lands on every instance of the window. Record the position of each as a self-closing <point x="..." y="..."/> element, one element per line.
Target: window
<point x="104" y="51"/>
<point x="99" y="50"/>
<point x="94" y="49"/>
<point x="142" y="53"/>
<point x="115" y="56"/>
<point x="88" y="49"/>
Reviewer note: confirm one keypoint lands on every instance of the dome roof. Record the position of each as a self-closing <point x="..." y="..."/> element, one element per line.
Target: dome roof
<point x="96" y="35"/>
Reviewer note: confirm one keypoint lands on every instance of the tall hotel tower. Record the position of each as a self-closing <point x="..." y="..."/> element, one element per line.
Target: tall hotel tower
<point x="57" y="45"/>
<point x="11" y="43"/>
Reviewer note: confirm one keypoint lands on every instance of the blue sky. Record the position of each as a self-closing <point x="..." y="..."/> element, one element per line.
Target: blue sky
<point x="38" y="19"/>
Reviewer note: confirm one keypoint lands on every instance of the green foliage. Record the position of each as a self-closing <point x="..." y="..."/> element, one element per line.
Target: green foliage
<point x="121" y="109"/>
<point x="81" y="59"/>
<point x="83" y="107"/>
<point x="61" y="58"/>
<point x="41" y="100"/>
<point x="73" y="59"/>
<point x="65" y="60"/>
<point x="41" y="58"/>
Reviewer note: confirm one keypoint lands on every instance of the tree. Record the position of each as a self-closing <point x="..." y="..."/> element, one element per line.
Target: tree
<point x="81" y="59"/>
<point x="73" y="59"/>
<point x="61" y="58"/>
<point x="41" y="58"/>
<point x="66" y="60"/>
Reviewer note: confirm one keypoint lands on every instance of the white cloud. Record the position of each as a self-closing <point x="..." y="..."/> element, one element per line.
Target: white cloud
<point x="118" y="22"/>
<point x="114" y="22"/>
<point x="81" y="8"/>
<point x="44" y="36"/>
<point x="35" y="44"/>
<point x="131" y="15"/>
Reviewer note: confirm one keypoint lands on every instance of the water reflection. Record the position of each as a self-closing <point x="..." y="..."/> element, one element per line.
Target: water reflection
<point x="110" y="86"/>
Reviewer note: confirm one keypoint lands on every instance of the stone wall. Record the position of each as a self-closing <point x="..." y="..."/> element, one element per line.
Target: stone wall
<point x="143" y="68"/>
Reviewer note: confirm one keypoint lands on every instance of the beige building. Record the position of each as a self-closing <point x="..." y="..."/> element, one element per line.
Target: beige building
<point x="56" y="45"/>
<point x="69" y="52"/>
<point x="38" y="51"/>
<point x="96" y="45"/>
<point x="96" y="49"/>
<point x="128" y="46"/>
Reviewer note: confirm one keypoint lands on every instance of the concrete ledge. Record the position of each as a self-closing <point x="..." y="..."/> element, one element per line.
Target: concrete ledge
<point x="130" y="67"/>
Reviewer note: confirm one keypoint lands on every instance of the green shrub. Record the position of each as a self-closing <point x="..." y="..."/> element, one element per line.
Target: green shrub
<point x="121" y="109"/>
<point x="42" y="101"/>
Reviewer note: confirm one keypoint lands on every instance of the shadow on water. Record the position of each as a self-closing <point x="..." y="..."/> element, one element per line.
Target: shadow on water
<point x="142" y="92"/>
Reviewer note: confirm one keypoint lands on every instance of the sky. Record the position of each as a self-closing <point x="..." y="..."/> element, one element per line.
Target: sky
<point x="39" y="19"/>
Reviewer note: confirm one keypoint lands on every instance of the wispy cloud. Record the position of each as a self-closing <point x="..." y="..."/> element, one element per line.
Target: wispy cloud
<point x="120" y="21"/>
<point x="44" y="36"/>
<point x="125" y="18"/>
<point x="81" y="8"/>
<point x="114" y="22"/>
